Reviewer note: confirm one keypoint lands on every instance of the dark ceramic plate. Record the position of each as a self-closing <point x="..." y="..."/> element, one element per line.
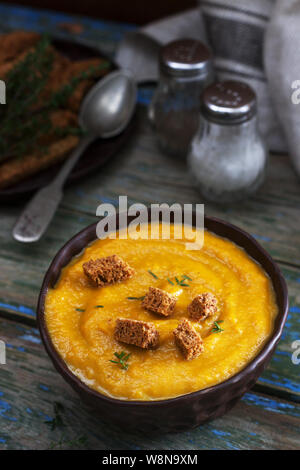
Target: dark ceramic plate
<point x="96" y="155"/>
<point x="186" y="411"/>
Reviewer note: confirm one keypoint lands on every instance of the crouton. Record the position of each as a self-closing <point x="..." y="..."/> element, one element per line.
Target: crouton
<point x="78" y="94"/>
<point x="60" y="119"/>
<point x="6" y="66"/>
<point x="16" y="169"/>
<point x="140" y="333"/>
<point x="187" y="340"/>
<point x="105" y="271"/>
<point x="54" y="81"/>
<point x="202" y="306"/>
<point x="14" y="43"/>
<point x="74" y="70"/>
<point x="158" y="301"/>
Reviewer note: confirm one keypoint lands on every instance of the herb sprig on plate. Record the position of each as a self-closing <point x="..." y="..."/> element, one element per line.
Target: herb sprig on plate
<point x="27" y="115"/>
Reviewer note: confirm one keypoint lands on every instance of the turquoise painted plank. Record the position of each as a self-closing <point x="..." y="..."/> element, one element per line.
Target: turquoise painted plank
<point x="101" y="33"/>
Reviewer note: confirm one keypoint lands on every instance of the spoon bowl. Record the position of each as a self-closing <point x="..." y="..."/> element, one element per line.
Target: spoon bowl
<point x="108" y="107"/>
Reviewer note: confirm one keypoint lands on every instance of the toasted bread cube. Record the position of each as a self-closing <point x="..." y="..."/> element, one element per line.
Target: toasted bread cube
<point x="187" y="340"/>
<point x="202" y="306"/>
<point x="14" y="43"/>
<point x="140" y="333"/>
<point x="15" y="169"/>
<point x="158" y="301"/>
<point x="105" y="271"/>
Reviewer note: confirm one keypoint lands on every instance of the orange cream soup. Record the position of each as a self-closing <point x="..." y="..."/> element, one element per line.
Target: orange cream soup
<point x="85" y="340"/>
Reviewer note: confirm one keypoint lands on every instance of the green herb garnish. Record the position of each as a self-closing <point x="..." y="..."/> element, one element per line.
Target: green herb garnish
<point x="217" y="328"/>
<point x="152" y="274"/>
<point x="170" y="281"/>
<point x="136" y="298"/>
<point x="79" y="309"/>
<point x="186" y="277"/>
<point x="122" y="359"/>
<point x="182" y="282"/>
<point x="99" y="306"/>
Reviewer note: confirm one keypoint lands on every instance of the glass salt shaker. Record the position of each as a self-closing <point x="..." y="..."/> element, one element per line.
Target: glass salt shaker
<point x="227" y="156"/>
<point x="185" y="70"/>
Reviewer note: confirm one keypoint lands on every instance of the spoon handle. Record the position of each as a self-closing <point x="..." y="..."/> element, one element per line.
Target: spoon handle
<point x="69" y="164"/>
<point x="40" y="210"/>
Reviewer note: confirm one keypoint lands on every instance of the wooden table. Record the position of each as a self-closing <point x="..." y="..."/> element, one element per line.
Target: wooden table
<point x="31" y="391"/>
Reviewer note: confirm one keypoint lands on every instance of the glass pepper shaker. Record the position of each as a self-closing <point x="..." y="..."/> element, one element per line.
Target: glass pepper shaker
<point x="227" y="156"/>
<point x="185" y="70"/>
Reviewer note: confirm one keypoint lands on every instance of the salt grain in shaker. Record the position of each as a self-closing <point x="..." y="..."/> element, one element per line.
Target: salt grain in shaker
<point x="185" y="70"/>
<point x="228" y="157"/>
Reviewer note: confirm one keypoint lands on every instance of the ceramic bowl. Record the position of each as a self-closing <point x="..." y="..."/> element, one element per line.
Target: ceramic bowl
<point x="186" y="411"/>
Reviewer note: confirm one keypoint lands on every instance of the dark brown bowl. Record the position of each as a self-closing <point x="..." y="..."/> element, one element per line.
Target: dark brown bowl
<point x="186" y="411"/>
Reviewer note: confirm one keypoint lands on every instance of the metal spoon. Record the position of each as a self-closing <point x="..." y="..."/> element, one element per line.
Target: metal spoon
<point x="105" y="112"/>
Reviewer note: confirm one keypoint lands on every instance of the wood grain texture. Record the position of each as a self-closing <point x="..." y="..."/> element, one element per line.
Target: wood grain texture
<point x="30" y="387"/>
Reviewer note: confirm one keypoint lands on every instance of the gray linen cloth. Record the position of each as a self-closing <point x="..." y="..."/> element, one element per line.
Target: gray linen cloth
<point x="256" y="42"/>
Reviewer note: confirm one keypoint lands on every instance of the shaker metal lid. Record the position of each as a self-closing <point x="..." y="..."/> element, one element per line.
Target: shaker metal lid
<point x="186" y="57"/>
<point x="229" y="101"/>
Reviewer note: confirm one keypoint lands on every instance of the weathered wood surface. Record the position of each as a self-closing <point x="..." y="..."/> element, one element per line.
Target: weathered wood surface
<point x="30" y="387"/>
<point x="142" y="173"/>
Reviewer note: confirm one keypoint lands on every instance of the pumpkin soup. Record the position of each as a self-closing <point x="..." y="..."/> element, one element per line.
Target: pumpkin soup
<point x="82" y="315"/>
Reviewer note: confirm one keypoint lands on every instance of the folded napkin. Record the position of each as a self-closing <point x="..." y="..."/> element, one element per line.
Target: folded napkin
<point x="256" y="42"/>
<point x="138" y="51"/>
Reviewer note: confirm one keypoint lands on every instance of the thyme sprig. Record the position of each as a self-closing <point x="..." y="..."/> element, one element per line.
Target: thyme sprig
<point x="152" y="274"/>
<point x="136" y="298"/>
<point x="122" y="359"/>
<point x="182" y="282"/>
<point x="217" y="328"/>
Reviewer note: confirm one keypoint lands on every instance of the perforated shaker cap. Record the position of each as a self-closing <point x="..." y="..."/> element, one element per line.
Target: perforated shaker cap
<point x="229" y="102"/>
<point x="186" y="57"/>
